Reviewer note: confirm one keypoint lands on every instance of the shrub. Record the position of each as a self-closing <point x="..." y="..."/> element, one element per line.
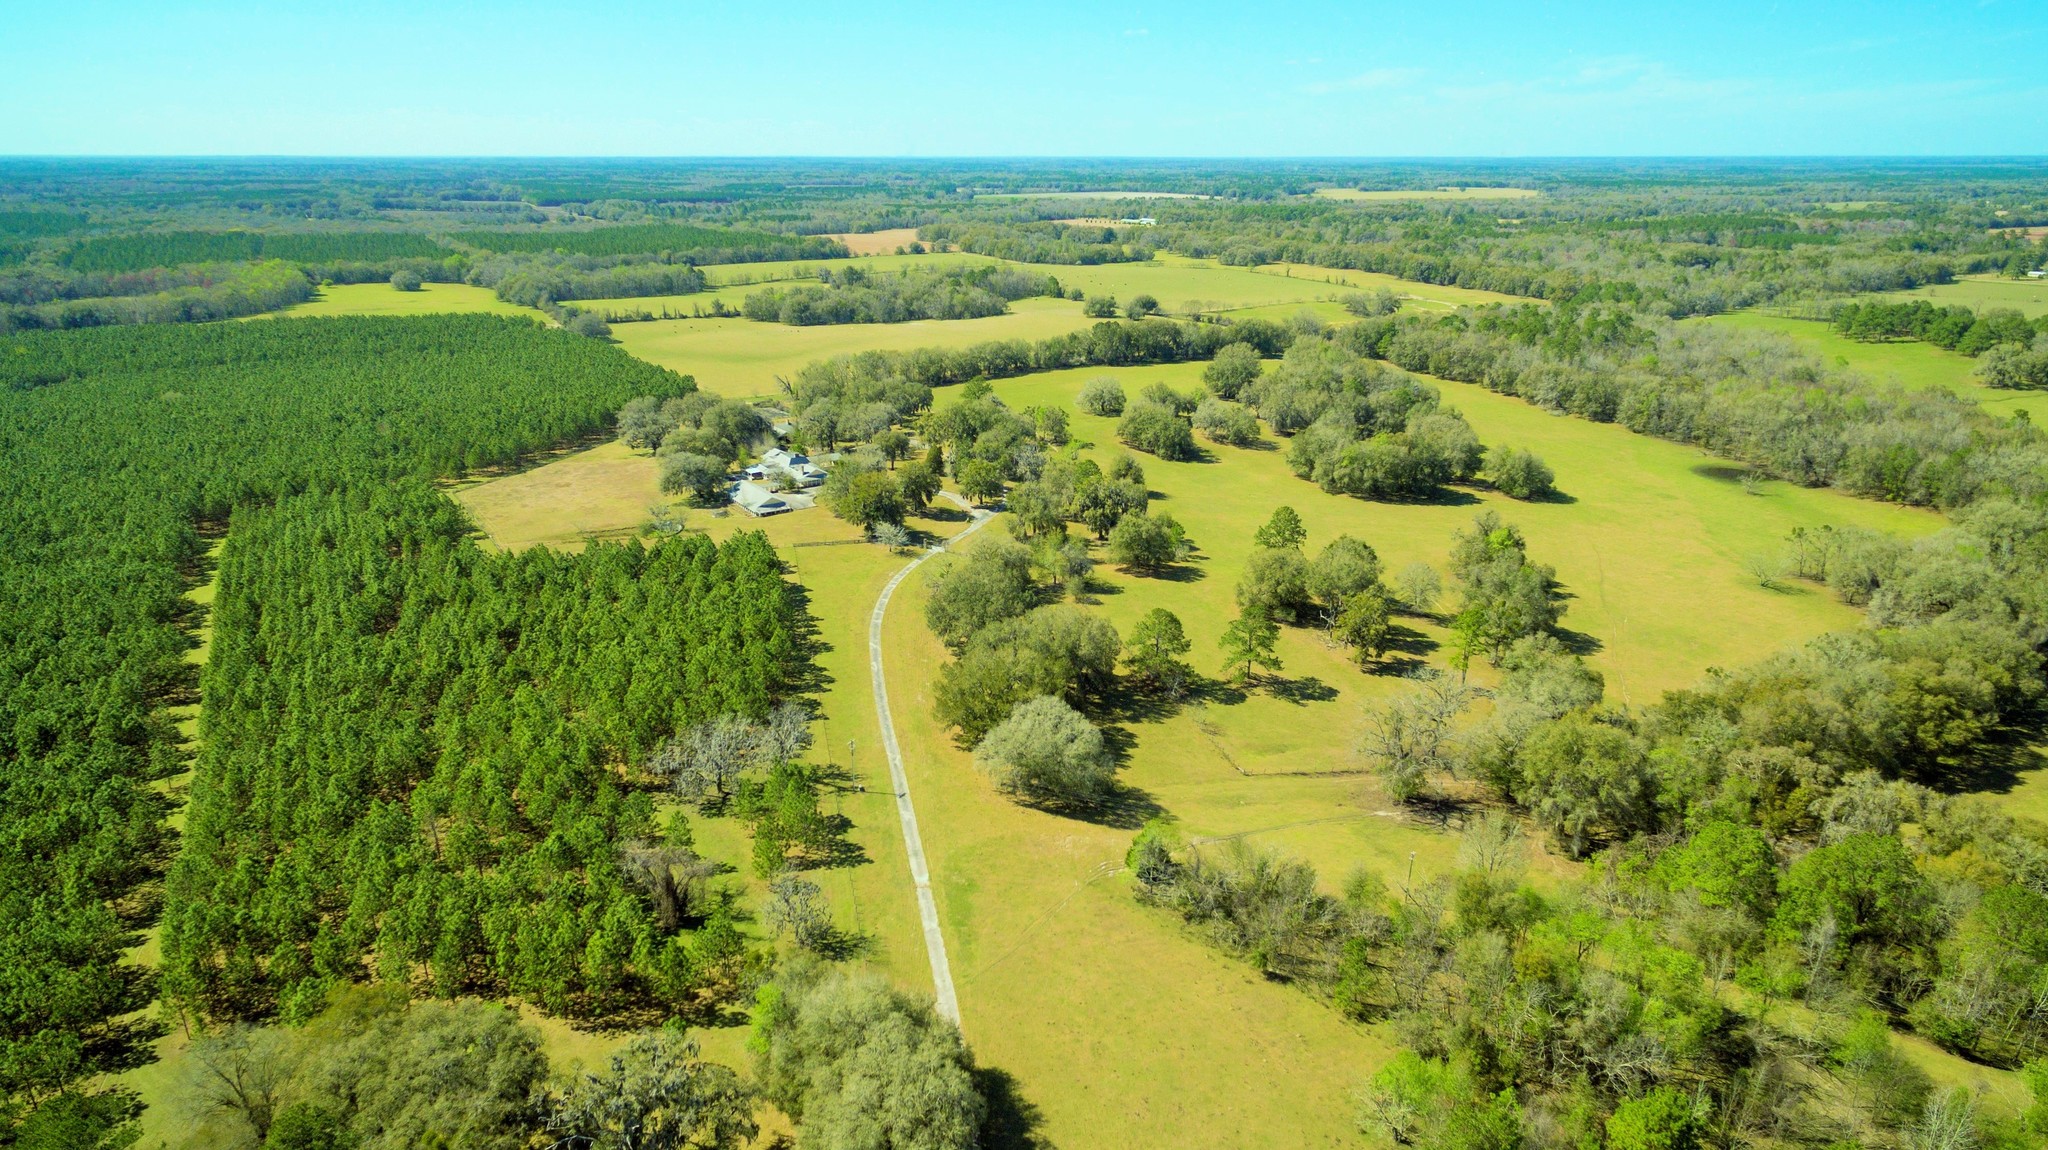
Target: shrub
<point x="1226" y="423"/>
<point x="405" y="279"/>
<point x="1154" y="427"/>
<point x="1047" y="750"/>
<point x="1147" y="542"/>
<point x="1235" y="368"/>
<point x="1102" y="396"/>
<point x="1521" y="474"/>
<point x="1100" y="307"/>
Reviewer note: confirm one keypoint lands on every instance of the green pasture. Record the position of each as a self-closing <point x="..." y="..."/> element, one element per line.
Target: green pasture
<point x="1045" y="939"/>
<point x="740" y="357"/>
<point x="383" y="299"/>
<point x="1183" y="284"/>
<point x="1437" y="296"/>
<point x="2029" y="297"/>
<point x="1427" y="194"/>
<point x="1910" y="364"/>
<point x="1652" y="540"/>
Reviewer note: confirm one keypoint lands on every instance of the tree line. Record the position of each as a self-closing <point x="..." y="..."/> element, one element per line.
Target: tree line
<point x="1953" y="327"/>
<point x="680" y="242"/>
<point x="1042" y="243"/>
<point x="145" y="250"/>
<point x="855" y="295"/>
<point x="195" y="294"/>
<point x="854" y="1061"/>
<point x="1746" y="396"/>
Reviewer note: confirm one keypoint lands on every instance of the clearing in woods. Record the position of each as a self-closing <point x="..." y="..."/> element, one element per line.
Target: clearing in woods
<point x="2028" y="296"/>
<point x="881" y="243"/>
<point x="1908" y="363"/>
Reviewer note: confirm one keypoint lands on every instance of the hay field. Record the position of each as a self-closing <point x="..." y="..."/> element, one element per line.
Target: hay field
<point x="881" y="243"/>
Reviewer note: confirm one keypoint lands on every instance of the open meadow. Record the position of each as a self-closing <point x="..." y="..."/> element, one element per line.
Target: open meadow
<point x="2029" y="297"/>
<point x="1907" y="363"/>
<point x="877" y="243"/>
<point x="1652" y="542"/>
<point x="742" y="357"/>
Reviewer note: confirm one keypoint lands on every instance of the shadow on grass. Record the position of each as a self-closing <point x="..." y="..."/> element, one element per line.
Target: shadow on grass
<point x="805" y="675"/>
<point x="1441" y="497"/>
<point x="841" y="945"/>
<point x="1996" y="767"/>
<point x="1578" y="642"/>
<point x="1724" y="472"/>
<point x="1127" y="703"/>
<point x="1124" y="808"/>
<point x="1013" y="1122"/>
<point x="944" y="513"/>
<point x="838" y="850"/>
<point x="1221" y="692"/>
<point x="1308" y="689"/>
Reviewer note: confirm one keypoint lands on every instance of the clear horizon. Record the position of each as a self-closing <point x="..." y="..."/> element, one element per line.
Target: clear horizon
<point x="1745" y="80"/>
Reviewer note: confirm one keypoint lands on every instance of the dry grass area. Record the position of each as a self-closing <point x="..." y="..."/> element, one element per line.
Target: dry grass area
<point x="881" y="243"/>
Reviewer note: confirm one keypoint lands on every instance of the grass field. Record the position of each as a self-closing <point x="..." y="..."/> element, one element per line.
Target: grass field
<point x="1909" y="364"/>
<point x="1428" y="194"/>
<point x="879" y="243"/>
<point x="738" y="357"/>
<point x="383" y="299"/>
<point x="1424" y="295"/>
<point x="1048" y="944"/>
<point x="2029" y="297"/>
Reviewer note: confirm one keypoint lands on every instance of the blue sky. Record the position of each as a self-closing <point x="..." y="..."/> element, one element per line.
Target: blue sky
<point x="1262" y="78"/>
